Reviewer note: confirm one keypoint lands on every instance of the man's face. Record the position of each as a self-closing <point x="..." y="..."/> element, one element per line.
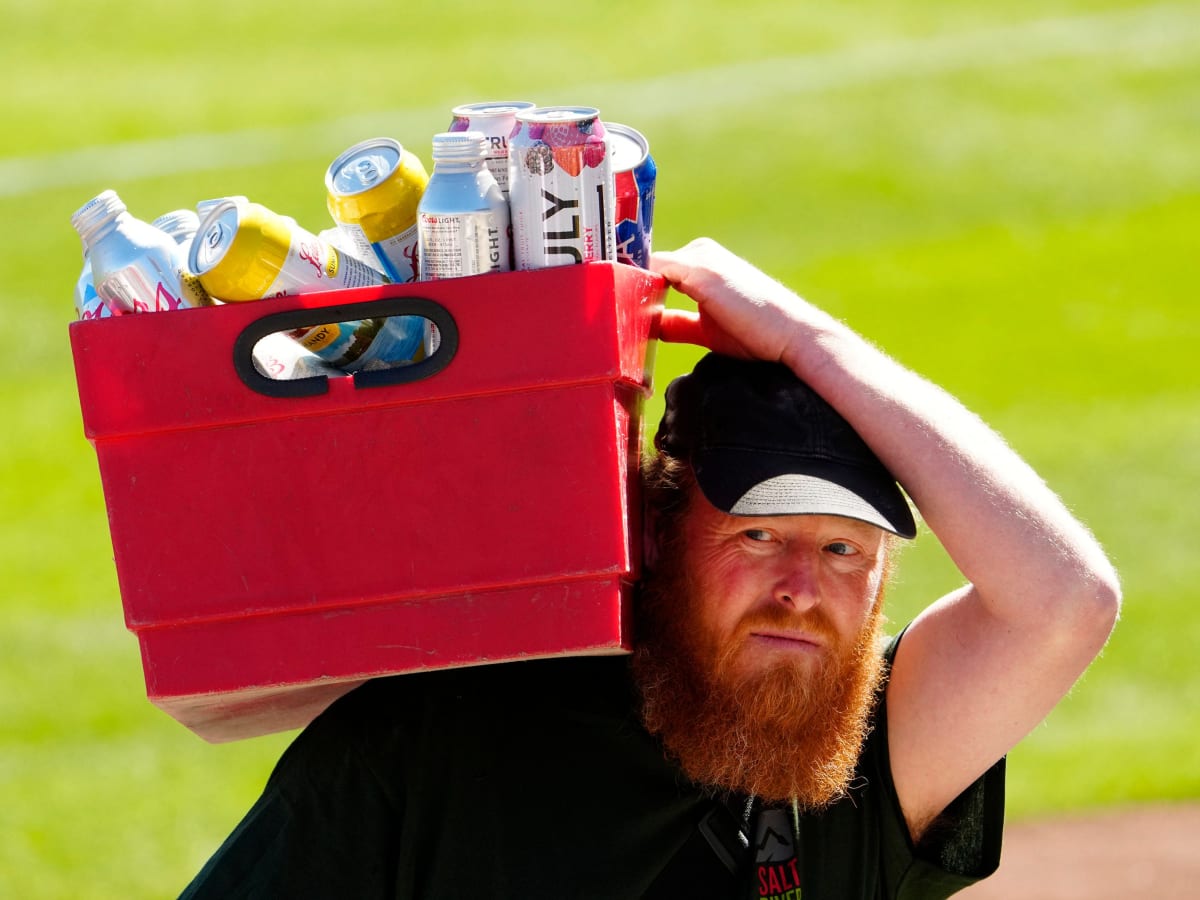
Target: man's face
<point x="780" y="590"/>
<point x="758" y="658"/>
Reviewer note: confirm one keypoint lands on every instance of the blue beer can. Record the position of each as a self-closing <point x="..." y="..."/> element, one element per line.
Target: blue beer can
<point x="635" y="175"/>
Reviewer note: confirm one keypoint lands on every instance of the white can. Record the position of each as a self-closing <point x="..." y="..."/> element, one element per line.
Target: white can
<point x="561" y="188"/>
<point x="495" y="120"/>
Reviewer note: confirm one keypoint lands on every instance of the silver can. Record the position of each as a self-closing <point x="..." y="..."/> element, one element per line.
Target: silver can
<point x="496" y="120"/>
<point x="561" y="188"/>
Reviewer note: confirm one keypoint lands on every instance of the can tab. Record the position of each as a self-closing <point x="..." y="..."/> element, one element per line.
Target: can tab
<point x="302" y="319"/>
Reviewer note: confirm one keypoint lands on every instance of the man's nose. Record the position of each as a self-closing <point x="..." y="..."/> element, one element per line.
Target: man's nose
<point x="796" y="584"/>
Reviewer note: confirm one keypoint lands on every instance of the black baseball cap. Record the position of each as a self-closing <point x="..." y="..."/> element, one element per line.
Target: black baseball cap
<point x="763" y="443"/>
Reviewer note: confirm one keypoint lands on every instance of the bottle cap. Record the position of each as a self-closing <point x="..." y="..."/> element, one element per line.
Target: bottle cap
<point x="102" y="208"/>
<point x="459" y="146"/>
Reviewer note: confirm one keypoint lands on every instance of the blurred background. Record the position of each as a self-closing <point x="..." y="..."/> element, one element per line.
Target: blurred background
<point x="1005" y="195"/>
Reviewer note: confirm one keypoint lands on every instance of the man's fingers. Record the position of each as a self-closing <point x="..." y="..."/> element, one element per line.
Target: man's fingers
<point x="670" y="267"/>
<point x="680" y="326"/>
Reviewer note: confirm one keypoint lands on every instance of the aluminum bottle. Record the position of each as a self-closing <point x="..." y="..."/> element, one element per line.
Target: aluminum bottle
<point x="180" y="224"/>
<point x="462" y="221"/>
<point x="88" y="304"/>
<point x="135" y="266"/>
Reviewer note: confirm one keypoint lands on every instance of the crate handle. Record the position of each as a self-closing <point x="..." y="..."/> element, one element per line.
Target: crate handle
<point x="243" y="346"/>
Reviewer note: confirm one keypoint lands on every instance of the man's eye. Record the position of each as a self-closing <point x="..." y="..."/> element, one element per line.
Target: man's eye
<point x="757" y="534"/>
<point x="841" y="548"/>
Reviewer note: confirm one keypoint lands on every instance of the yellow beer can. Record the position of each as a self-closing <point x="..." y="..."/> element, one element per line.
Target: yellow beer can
<point x="372" y="191"/>
<point x="244" y="251"/>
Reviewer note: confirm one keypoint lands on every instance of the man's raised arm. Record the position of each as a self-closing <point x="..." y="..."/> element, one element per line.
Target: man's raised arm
<point x="982" y="666"/>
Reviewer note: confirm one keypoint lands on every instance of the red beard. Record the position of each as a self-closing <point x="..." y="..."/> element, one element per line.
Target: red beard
<point x="789" y="733"/>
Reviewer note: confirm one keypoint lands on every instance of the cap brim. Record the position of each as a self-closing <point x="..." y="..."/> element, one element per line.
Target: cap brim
<point x="757" y="483"/>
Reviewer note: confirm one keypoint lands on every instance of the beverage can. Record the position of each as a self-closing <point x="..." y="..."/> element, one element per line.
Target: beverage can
<point x="244" y="251"/>
<point x="342" y="242"/>
<point x="635" y="175"/>
<point x="282" y="358"/>
<point x="372" y="191"/>
<point x="204" y="207"/>
<point x="463" y="219"/>
<point x="494" y="119"/>
<point x="561" y="188"/>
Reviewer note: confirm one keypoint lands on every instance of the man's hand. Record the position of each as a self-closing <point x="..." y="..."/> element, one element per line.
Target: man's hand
<point x="740" y="311"/>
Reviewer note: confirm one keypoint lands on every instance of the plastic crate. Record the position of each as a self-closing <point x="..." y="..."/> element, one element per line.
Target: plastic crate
<point x="277" y="543"/>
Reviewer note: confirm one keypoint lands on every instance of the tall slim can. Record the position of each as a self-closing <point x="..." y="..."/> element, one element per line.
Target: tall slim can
<point x="636" y="176"/>
<point x="495" y="120"/>
<point x="561" y="188"/>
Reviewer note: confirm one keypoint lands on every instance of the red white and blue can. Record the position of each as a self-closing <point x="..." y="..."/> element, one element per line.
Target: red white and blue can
<point x="635" y="175"/>
<point x="560" y="188"/>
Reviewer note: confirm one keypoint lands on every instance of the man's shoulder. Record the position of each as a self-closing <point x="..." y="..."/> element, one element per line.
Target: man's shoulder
<point x="485" y="690"/>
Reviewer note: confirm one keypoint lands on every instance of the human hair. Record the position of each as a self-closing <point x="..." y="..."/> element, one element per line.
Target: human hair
<point x="668" y="483"/>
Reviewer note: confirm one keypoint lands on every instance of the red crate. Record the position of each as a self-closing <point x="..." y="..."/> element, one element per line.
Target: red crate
<point x="274" y="551"/>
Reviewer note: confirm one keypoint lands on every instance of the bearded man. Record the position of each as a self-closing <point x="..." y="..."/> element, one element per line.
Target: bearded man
<point x="737" y="687"/>
<point x="764" y="739"/>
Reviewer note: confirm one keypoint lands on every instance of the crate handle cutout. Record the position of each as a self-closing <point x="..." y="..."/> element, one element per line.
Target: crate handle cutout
<point x="243" y="346"/>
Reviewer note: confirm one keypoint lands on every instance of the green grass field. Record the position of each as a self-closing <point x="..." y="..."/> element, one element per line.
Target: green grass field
<point x="1005" y="195"/>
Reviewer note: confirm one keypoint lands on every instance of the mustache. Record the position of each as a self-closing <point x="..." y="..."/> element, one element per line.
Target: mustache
<point x="814" y="622"/>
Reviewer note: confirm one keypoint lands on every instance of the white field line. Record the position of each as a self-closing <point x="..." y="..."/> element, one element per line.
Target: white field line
<point x="1146" y="36"/>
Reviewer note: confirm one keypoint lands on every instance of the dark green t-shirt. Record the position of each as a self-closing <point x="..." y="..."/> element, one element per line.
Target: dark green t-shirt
<point x="535" y="779"/>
